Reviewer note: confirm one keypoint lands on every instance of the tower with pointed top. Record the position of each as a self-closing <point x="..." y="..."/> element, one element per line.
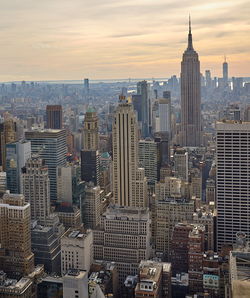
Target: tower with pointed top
<point x="190" y="96"/>
<point x="225" y="72"/>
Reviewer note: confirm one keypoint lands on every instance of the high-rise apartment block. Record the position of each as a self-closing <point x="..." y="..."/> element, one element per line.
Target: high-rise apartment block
<point x="124" y="238"/>
<point x="190" y="96"/>
<point x="50" y="145"/>
<point x="16" y="258"/>
<point x="129" y="182"/>
<point x="35" y="187"/>
<point x="16" y="155"/>
<point x="232" y="187"/>
<point x="76" y="250"/>
<point x="54" y="116"/>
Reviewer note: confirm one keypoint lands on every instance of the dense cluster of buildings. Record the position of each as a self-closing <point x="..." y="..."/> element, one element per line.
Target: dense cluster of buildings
<point x="142" y="198"/>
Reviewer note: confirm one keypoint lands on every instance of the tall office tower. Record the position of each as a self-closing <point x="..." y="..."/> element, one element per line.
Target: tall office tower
<point x="148" y="153"/>
<point x="54" y="116"/>
<point x="35" y="187"/>
<point x="143" y="90"/>
<point x="90" y="130"/>
<point x="165" y="115"/>
<point x="181" y="164"/>
<point x="7" y="135"/>
<point x="51" y="146"/>
<point x="92" y="206"/>
<point x="124" y="238"/>
<point x="16" y="155"/>
<point x="127" y="189"/>
<point x="225" y="72"/>
<point x="232" y="187"/>
<point x="16" y="258"/>
<point x="76" y="250"/>
<point x="190" y="96"/>
<point x="208" y="78"/>
<point x="90" y="166"/>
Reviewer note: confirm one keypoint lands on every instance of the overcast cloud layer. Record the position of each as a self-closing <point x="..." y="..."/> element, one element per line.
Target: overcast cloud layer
<point x="72" y="39"/>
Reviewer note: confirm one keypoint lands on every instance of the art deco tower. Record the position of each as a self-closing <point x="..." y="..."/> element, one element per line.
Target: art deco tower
<point x="129" y="181"/>
<point x="190" y="96"/>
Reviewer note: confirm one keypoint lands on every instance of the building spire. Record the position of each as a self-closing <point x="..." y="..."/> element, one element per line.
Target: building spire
<point x="190" y="41"/>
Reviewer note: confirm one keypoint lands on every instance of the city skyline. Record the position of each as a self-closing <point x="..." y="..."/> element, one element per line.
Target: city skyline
<point x="119" y="39"/>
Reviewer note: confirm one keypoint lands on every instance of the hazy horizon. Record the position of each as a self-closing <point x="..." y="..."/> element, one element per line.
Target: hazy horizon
<point x="61" y="40"/>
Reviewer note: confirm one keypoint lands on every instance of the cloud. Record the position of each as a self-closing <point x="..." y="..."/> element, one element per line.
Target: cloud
<point x="63" y="39"/>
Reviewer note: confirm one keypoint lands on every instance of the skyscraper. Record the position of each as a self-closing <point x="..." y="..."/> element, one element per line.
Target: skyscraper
<point x="36" y="188"/>
<point x="16" y="257"/>
<point x="233" y="185"/>
<point x="17" y="154"/>
<point x="190" y="96"/>
<point x="129" y="182"/>
<point x="90" y="159"/>
<point x="54" y="116"/>
<point x="90" y="130"/>
<point x="143" y="90"/>
<point x="225" y="72"/>
<point x="51" y="146"/>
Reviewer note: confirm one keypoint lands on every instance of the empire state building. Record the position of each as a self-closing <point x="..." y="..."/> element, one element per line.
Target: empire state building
<point x="190" y="96"/>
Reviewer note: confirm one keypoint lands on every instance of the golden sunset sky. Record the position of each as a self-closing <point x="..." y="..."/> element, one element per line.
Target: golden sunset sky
<point x="112" y="39"/>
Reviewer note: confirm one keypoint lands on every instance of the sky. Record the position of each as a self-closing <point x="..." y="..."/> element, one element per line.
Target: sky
<point x="112" y="39"/>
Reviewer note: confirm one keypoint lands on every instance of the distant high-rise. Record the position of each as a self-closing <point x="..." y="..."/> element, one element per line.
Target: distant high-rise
<point x="129" y="182"/>
<point x="225" y="72"/>
<point x="16" y="257"/>
<point x="143" y="90"/>
<point x="36" y="188"/>
<point x="232" y="182"/>
<point x="190" y="96"/>
<point x="90" y="130"/>
<point x="51" y="146"/>
<point x="208" y="78"/>
<point x="86" y="89"/>
<point x="54" y="116"/>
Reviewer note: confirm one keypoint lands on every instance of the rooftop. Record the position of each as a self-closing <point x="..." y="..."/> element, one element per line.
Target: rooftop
<point x="126" y="213"/>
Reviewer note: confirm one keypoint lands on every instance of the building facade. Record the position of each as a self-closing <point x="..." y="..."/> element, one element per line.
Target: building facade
<point x="50" y="145"/>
